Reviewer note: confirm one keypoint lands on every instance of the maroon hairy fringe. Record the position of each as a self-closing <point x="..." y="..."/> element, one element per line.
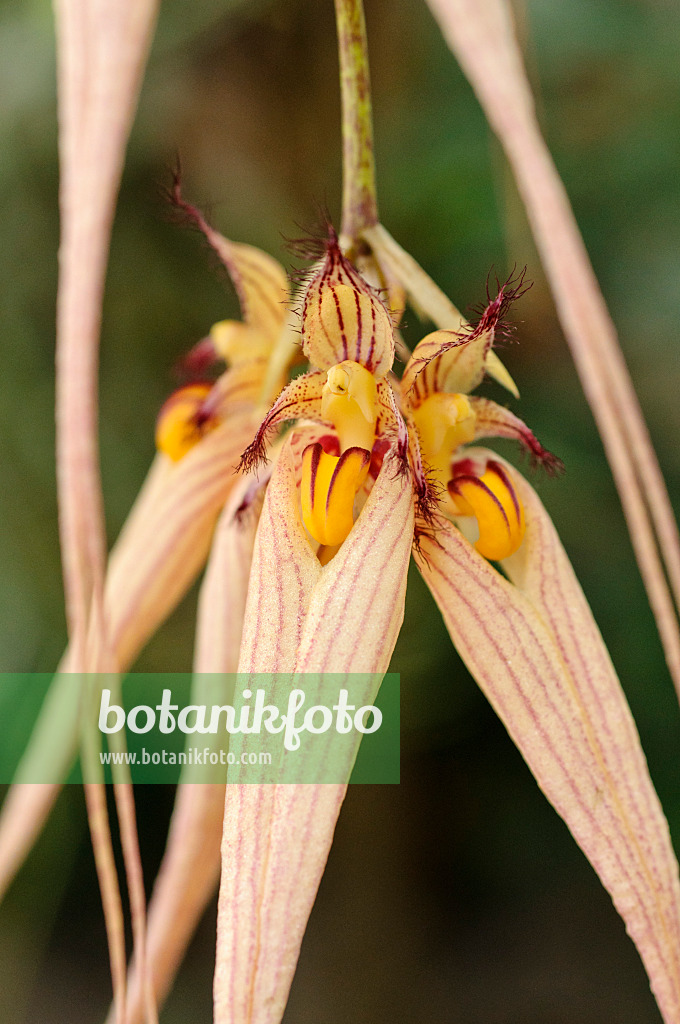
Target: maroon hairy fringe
<point x="491" y="316"/>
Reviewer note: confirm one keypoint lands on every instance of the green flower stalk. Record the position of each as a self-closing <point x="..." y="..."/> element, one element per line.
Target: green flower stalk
<point x="359" y="201"/>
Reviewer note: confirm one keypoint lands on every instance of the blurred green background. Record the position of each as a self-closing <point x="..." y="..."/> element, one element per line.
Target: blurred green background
<point x="459" y="895"/>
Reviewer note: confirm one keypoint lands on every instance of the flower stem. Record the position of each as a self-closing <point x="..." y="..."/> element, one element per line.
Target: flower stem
<point x="359" y="204"/>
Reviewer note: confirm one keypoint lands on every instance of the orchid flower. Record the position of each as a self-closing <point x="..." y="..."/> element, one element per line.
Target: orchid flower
<point x="308" y="559"/>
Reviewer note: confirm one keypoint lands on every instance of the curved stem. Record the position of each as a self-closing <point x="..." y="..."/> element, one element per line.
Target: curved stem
<point x="359" y="204"/>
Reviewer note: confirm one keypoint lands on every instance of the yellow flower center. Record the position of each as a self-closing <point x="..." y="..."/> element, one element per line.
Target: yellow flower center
<point x="493" y="500"/>
<point x="349" y="402"/>
<point x="443" y="422"/>
<point x="330" y="482"/>
<point x="182" y="422"/>
<point x="329" y="487"/>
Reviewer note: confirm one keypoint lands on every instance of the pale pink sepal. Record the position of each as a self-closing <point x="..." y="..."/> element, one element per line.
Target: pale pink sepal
<point x="343" y="617"/>
<point x="189" y="871"/>
<point x="222" y="600"/>
<point x="357" y="607"/>
<point x="481" y="34"/>
<point x="167" y="541"/>
<point x="283" y="576"/>
<point x="101" y="49"/>
<point x="536" y="653"/>
<point x="274" y="851"/>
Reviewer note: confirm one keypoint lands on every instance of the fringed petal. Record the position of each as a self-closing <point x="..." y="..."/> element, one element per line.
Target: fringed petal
<point x="301" y="399"/>
<point x="492" y="420"/>
<point x="445" y="361"/>
<point x="426" y="297"/>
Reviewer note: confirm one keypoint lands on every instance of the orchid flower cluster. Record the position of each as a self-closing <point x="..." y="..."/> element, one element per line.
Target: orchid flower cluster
<point x="372" y="467"/>
<point x="363" y="414"/>
<point x="305" y="497"/>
